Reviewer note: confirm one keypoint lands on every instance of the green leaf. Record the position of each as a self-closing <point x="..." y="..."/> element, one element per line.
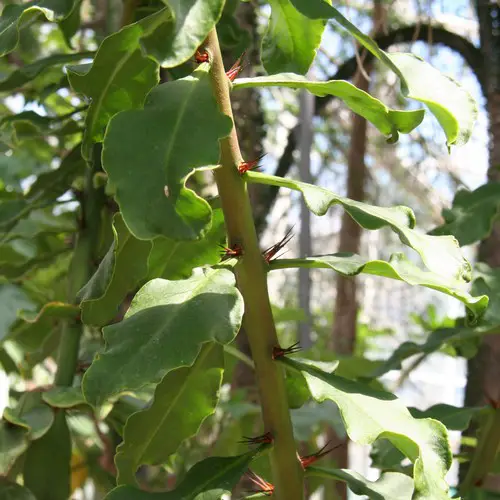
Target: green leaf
<point x="26" y="73"/>
<point x="175" y="318"/>
<point x="176" y="133"/>
<point x="487" y="282"/>
<point x="15" y="16"/>
<point x="441" y="254"/>
<point x="389" y="486"/>
<point x="13" y="491"/>
<point x="12" y="300"/>
<point x="124" y="266"/>
<point x="32" y="414"/>
<point x="64" y="397"/>
<point x="173" y="260"/>
<point x="454" y="108"/>
<point x="453" y="417"/>
<point x="31" y="331"/>
<point x="387" y="120"/>
<point x="290" y="40"/>
<point x="191" y="20"/>
<point x="13" y="443"/>
<point x="182" y="400"/>
<point x="119" y="79"/>
<point x="370" y="414"/>
<point x="398" y="268"/>
<point x="472" y="214"/>
<point x="212" y="476"/>
<point x="47" y="464"/>
<point x="297" y="391"/>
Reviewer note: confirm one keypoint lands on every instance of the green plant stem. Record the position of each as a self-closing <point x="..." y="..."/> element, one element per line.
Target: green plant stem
<point x="269" y="180"/>
<point x="486" y="450"/>
<point x="252" y="283"/>
<point x="80" y="270"/>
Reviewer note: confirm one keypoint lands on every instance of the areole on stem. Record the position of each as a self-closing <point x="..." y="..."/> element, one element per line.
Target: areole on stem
<point x="251" y="280"/>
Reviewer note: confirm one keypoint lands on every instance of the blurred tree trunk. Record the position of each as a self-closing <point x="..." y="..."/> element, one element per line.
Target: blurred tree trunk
<point x="346" y="307"/>
<point x="483" y="378"/>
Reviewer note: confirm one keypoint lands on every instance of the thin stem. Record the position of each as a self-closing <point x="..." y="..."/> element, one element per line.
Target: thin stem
<point x="486" y="450"/>
<point x="252" y="283"/>
<point x="236" y="353"/>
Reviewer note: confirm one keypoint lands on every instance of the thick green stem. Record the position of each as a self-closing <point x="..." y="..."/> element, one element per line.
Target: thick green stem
<point x="485" y="453"/>
<point x="252" y="283"/>
<point x="81" y="268"/>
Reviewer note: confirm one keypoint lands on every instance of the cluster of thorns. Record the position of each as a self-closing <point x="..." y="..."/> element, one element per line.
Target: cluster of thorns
<point x="269" y="254"/>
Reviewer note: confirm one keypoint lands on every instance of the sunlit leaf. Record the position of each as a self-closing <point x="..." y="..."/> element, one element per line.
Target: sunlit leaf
<point x="175" y="133"/>
<point x="390" y="122"/>
<point x="398" y="267"/>
<point x="182" y="400"/>
<point x="64" y="397"/>
<point x="291" y="39"/>
<point x="370" y="414"/>
<point x="119" y="273"/>
<point x="175" y="318"/>
<point x="452" y="105"/>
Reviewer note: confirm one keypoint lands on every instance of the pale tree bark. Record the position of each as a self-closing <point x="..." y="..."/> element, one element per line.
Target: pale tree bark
<point x="483" y="380"/>
<point x="345" y="314"/>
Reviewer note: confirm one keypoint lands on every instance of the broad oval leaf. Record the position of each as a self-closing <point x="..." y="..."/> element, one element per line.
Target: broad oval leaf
<point x="174" y="43"/>
<point x="64" y="397"/>
<point x="206" y="480"/>
<point x="453" y="106"/>
<point x="174" y="319"/>
<point x="369" y="414"/>
<point x="124" y="266"/>
<point x="13" y="443"/>
<point x="182" y="400"/>
<point x="389" y="486"/>
<point x="15" y="15"/>
<point x="12" y="299"/>
<point x="119" y="79"/>
<point x="398" y="267"/>
<point x="291" y="39"/>
<point x="175" y="133"/>
<point x="387" y="120"/>
<point x="472" y="214"/>
<point x="440" y="254"/>
<point x="13" y="491"/>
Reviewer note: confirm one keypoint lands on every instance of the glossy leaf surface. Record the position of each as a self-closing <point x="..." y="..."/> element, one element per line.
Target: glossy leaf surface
<point x="398" y="267"/>
<point x="13" y="443"/>
<point x="453" y="106"/>
<point x="175" y="133"/>
<point x="370" y="414"/>
<point x="387" y="120"/>
<point x="182" y="400"/>
<point x="174" y="319"/>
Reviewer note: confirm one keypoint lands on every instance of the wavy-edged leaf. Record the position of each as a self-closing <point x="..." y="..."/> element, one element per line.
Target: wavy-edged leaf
<point x="15" y="15"/>
<point x="455" y="418"/>
<point x="64" y="397"/>
<point x="175" y="133"/>
<point x="191" y="20"/>
<point x="124" y="266"/>
<point x="206" y="480"/>
<point x="369" y="414"/>
<point x="32" y="414"/>
<point x="291" y="39"/>
<point x="174" y="319"/>
<point x="32" y="330"/>
<point x="13" y="491"/>
<point x="182" y="400"/>
<point x="398" y="268"/>
<point x="472" y="214"/>
<point x="25" y="74"/>
<point x="47" y="468"/>
<point x="173" y="260"/>
<point x="388" y="121"/>
<point x="389" y="486"/>
<point x="119" y="79"/>
<point x="13" y="443"/>
<point x="453" y="106"/>
<point x="440" y="254"/>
